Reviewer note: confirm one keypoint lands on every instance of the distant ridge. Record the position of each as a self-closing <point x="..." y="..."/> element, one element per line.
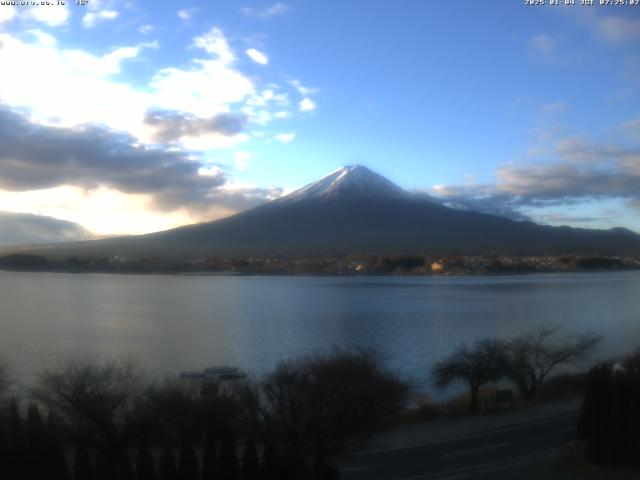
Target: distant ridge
<point x="355" y="210"/>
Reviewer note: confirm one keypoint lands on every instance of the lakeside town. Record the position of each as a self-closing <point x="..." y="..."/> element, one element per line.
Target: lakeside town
<point x="488" y="264"/>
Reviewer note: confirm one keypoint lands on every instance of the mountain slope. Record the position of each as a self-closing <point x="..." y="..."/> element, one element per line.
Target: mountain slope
<point x="354" y="210"/>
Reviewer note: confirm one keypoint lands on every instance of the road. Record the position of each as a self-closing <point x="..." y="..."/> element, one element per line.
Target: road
<point x="520" y="451"/>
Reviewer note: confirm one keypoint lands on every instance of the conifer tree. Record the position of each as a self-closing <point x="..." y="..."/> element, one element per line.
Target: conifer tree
<point x="4" y="447"/>
<point x="270" y="470"/>
<point x="56" y="462"/>
<point x="210" y="467"/>
<point x="250" y="462"/>
<point x="124" y="470"/>
<point x="167" y="468"/>
<point x="229" y="468"/>
<point x="82" y="467"/>
<point x="187" y="461"/>
<point x="145" y="468"/>
<point x="17" y="464"/>
<point x="36" y="443"/>
<point x="106" y="467"/>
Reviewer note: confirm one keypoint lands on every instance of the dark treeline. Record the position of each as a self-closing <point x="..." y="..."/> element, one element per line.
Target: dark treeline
<point x="87" y="418"/>
<point x="610" y="420"/>
<point x="105" y="422"/>
<point x="352" y="264"/>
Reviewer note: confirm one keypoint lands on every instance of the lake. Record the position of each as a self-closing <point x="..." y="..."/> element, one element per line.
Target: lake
<point x="175" y="323"/>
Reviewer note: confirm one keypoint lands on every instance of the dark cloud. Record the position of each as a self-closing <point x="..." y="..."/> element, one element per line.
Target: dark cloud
<point x="34" y="157"/>
<point x="584" y="171"/>
<point x="25" y="229"/>
<point x="171" y="125"/>
<point x="567" y="219"/>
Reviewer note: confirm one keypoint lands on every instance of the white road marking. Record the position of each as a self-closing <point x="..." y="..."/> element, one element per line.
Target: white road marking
<point x="474" y="450"/>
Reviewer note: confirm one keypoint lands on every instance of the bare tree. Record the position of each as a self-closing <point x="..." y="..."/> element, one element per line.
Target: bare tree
<point x="319" y="405"/>
<point x="534" y="355"/>
<point x="484" y="362"/>
<point x="99" y="399"/>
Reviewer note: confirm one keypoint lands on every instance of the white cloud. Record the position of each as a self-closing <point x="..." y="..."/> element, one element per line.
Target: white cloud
<point x="242" y="161"/>
<point x="89" y="89"/>
<point x="89" y="20"/>
<point x="209" y="86"/>
<point x="215" y="42"/>
<point x="281" y="114"/>
<point x="257" y="56"/>
<point x="542" y="45"/>
<point x="43" y="38"/>
<point x="285" y="137"/>
<point x="275" y="10"/>
<point x="109" y="64"/>
<point x="617" y="29"/>
<point x="84" y="93"/>
<point x="53" y="15"/>
<point x="7" y="13"/>
<point x="186" y="13"/>
<point x="306" y="105"/>
<point x="303" y="90"/>
<point x="145" y="29"/>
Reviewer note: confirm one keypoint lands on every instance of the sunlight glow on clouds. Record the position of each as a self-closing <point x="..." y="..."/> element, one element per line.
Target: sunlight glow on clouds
<point x="103" y="134"/>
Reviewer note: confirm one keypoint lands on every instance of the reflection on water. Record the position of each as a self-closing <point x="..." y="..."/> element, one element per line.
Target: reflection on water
<point x="173" y="323"/>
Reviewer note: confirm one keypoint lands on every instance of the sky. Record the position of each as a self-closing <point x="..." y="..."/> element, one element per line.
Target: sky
<point x="130" y="116"/>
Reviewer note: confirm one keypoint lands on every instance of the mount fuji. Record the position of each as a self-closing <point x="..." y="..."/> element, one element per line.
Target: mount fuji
<point x="355" y="210"/>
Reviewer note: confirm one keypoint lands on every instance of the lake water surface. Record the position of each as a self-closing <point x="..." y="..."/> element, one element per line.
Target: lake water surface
<point x="174" y="323"/>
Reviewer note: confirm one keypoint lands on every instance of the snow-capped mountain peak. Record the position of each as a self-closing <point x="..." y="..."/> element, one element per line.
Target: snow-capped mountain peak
<point x="353" y="181"/>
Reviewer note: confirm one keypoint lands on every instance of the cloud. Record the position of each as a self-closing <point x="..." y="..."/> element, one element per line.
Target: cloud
<point x="285" y="137"/>
<point x="88" y="88"/>
<point x="38" y="157"/>
<point x="118" y="156"/>
<point x="554" y="108"/>
<point x="542" y="46"/>
<point x="8" y="13"/>
<point x="43" y="38"/>
<point x="26" y="228"/>
<point x="52" y="15"/>
<point x="109" y="64"/>
<point x="171" y="126"/>
<point x="89" y="20"/>
<point x="582" y="171"/>
<point x="303" y="90"/>
<point x="617" y="29"/>
<point x="215" y="42"/>
<point x="242" y="161"/>
<point x="561" y="218"/>
<point x="633" y="128"/>
<point x="186" y="14"/>
<point x="145" y="29"/>
<point x="306" y="105"/>
<point x="257" y="56"/>
<point x="266" y="13"/>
